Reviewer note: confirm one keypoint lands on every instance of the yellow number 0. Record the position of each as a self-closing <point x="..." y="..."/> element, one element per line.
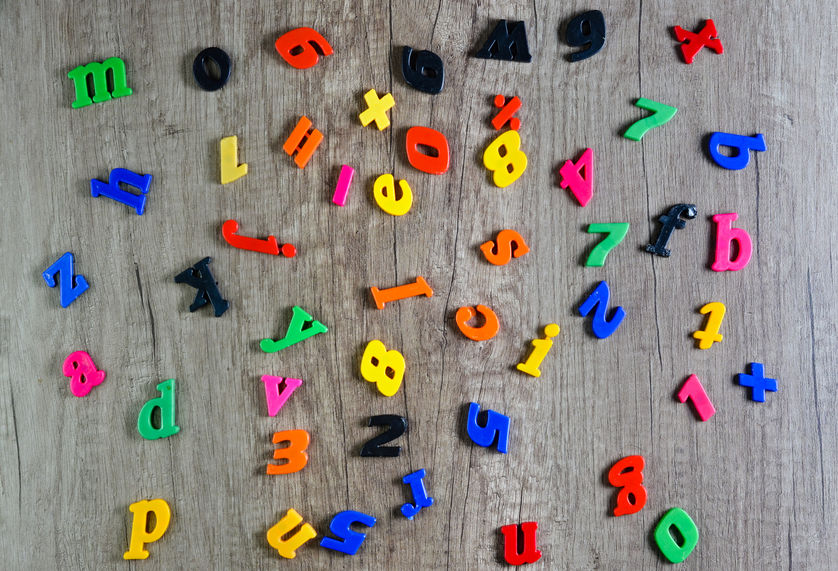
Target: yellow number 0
<point x="510" y="165"/>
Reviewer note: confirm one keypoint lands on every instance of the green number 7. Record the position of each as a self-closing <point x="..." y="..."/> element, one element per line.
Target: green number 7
<point x="616" y="232"/>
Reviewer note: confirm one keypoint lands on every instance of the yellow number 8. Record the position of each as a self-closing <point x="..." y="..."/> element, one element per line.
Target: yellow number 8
<point x="510" y="165"/>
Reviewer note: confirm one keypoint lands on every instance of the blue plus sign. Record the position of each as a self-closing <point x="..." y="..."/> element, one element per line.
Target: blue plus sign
<point x="758" y="383"/>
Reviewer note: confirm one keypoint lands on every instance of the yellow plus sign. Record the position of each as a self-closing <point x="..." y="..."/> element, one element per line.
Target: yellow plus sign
<point x="377" y="110"/>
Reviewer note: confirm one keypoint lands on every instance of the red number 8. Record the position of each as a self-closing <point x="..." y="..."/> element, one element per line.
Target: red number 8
<point x="628" y="475"/>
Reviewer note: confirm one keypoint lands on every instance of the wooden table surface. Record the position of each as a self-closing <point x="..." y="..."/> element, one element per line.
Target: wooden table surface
<point x="759" y="480"/>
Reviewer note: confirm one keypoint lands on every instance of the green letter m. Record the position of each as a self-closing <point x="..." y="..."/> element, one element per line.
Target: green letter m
<point x="100" y="81"/>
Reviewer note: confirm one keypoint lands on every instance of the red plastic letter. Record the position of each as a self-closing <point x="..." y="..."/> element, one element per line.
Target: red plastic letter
<point x="628" y="475"/>
<point x="427" y="137"/>
<point x="299" y="47"/>
<point x="510" y="543"/>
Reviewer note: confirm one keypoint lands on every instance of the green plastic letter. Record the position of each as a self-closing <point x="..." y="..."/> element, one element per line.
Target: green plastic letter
<point x="166" y="403"/>
<point x="100" y="82"/>
<point x="295" y="332"/>
<point x="660" y="114"/>
<point x="677" y="518"/>
<point x="616" y="232"/>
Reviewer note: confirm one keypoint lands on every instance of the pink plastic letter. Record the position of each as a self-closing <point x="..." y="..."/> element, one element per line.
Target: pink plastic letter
<point x="275" y="398"/>
<point x="82" y="372"/>
<point x="342" y="188"/>
<point x="693" y="390"/>
<point x="725" y="236"/>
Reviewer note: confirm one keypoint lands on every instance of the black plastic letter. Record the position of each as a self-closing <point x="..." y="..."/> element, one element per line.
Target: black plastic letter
<point x="397" y="426"/>
<point x="508" y="42"/>
<point x="201" y="73"/>
<point x="423" y="70"/>
<point x="586" y="29"/>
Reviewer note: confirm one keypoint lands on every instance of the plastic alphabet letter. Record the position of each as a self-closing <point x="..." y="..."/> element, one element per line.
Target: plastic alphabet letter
<point x="423" y="70"/>
<point x="100" y="82"/>
<point x="741" y="143"/>
<point x="377" y="109"/>
<point x="590" y="36"/>
<point x="384" y="193"/>
<point x="500" y="252"/>
<point x="427" y="137"/>
<point x="202" y="75"/>
<point x="230" y="168"/>
<point x="112" y="190"/>
<point x="267" y="246"/>
<point x="681" y="521"/>
<point x="413" y="289"/>
<point x="599" y="299"/>
<point x="529" y="553"/>
<point x="725" y="236"/>
<point x="295" y="332"/>
<point x="200" y="277"/>
<point x="71" y="285"/>
<point x="539" y="351"/>
<point x="758" y="382"/>
<point x="420" y="496"/>
<point x="373" y="447"/>
<point x="509" y="166"/>
<point x="693" y="391"/>
<point x="582" y="188"/>
<point x="288" y="547"/>
<point x="342" y="188"/>
<point x="508" y="42"/>
<point x="660" y="114"/>
<point x="341" y="526"/>
<point x="693" y="42"/>
<point x="496" y="428"/>
<point x="710" y="334"/>
<point x="300" y="47"/>
<point x="275" y="398"/>
<point x="615" y="231"/>
<point x="294" y="142"/>
<point x="382" y="367"/>
<point x="295" y="452"/>
<point x="140" y="534"/>
<point x="82" y="372"/>
<point x="166" y="403"/>
<point x="628" y="475"/>
<point x="486" y="331"/>
<point x="670" y="221"/>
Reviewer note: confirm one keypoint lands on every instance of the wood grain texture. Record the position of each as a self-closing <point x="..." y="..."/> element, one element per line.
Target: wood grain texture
<point x="758" y="479"/>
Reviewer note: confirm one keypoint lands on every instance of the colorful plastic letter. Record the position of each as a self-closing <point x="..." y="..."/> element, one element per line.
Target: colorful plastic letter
<point x="266" y="246"/>
<point x="275" y="398"/>
<point x="670" y="221"/>
<point x="300" y="47"/>
<point x="382" y="367"/>
<point x="205" y="80"/>
<point x="660" y="114"/>
<point x="416" y="481"/>
<point x="585" y="30"/>
<point x="496" y="428"/>
<point x="342" y="188"/>
<point x="693" y="391"/>
<point x="683" y="523"/>
<point x="741" y="143"/>
<point x="377" y="109"/>
<point x="725" y="236"/>
<point x="758" y="382"/>
<point x="581" y="187"/>
<point x="100" y="81"/>
<point x="693" y="42"/>
<point x="500" y="252"/>
<point x="230" y="168"/>
<point x="508" y="166"/>
<point x="427" y="137"/>
<point x="288" y="547"/>
<point x="200" y="277"/>
<point x="295" y="332"/>
<point x="166" y="403"/>
<point x="490" y="326"/>
<point x="539" y="351"/>
<point x="295" y="452"/>
<point x="529" y="553"/>
<point x="423" y="70"/>
<point x="508" y="42"/>
<point x="294" y="142"/>
<point x="373" y="447"/>
<point x="599" y="299"/>
<point x="71" y="285"/>
<point x="341" y="526"/>
<point x="615" y="231"/>
<point x="112" y="190"/>
<point x="628" y="475"/>
<point x="384" y="193"/>
<point x="140" y="534"/>
<point x="508" y="108"/>
<point x="81" y="369"/>
<point x="413" y="289"/>
<point x="710" y="334"/>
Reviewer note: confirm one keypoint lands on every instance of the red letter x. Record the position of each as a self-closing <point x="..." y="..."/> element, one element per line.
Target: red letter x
<point x="696" y="41"/>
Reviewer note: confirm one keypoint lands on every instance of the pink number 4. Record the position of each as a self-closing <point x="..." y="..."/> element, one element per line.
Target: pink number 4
<point x="693" y="390"/>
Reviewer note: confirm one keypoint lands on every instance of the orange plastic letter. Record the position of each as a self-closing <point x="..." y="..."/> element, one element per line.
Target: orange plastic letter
<point x="502" y="253"/>
<point x="295" y="452"/>
<point x="486" y="331"/>
<point x="419" y="287"/>
<point x="299" y="47"/>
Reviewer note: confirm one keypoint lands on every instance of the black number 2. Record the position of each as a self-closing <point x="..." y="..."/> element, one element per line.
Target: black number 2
<point x="397" y="426"/>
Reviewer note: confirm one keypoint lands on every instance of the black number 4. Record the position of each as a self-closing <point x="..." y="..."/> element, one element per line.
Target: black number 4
<point x="397" y="426"/>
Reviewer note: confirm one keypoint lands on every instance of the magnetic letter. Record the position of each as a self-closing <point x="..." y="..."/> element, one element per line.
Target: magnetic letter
<point x="508" y="42"/>
<point x="420" y="496"/>
<point x="382" y="367"/>
<point x="82" y="372"/>
<point x="276" y="399"/>
<point x="288" y="547"/>
<point x="112" y="190"/>
<point x="139" y="526"/>
<point x="385" y="296"/>
<point x="693" y="42"/>
<point x="758" y="382"/>
<point x="490" y="326"/>
<point x="267" y="246"/>
<point x="423" y="70"/>
<point x="681" y="521"/>
<point x="377" y="109"/>
<point x="725" y="236"/>
<point x="342" y="188"/>
<point x="599" y="299"/>
<point x="341" y="526"/>
<point x="295" y="452"/>
<point x="230" y="168"/>
<point x="436" y="163"/>
<point x="295" y="332"/>
<point x="628" y="475"/>
<point x="741" y="143"/>
<point x="693" y="391"/>
<point x="496" y="428"/>
<point x="100" y="81"/>
<point x="199" y="69"/>
<point x="710" y="334"/>
<point x="506" y="167"/>
<point x="585" y="30"/>
<point x="384" y="193"/>
<point x="200" y="277"/>
<point x="397" y="425"/>
<point x="581" y="187"/>
<point x="166" y="403"/>
<point x="660" y="114"/>
<point x="500" y="253"/>
<point x="294" y="143"/>
<point x="670" y="221"/>
<point x="539" y="351"/>
<point x="71" y="286"/>
<point x="529" y="553"/>
<point x="616" y="231"/>
<point x="300" y="47"/>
